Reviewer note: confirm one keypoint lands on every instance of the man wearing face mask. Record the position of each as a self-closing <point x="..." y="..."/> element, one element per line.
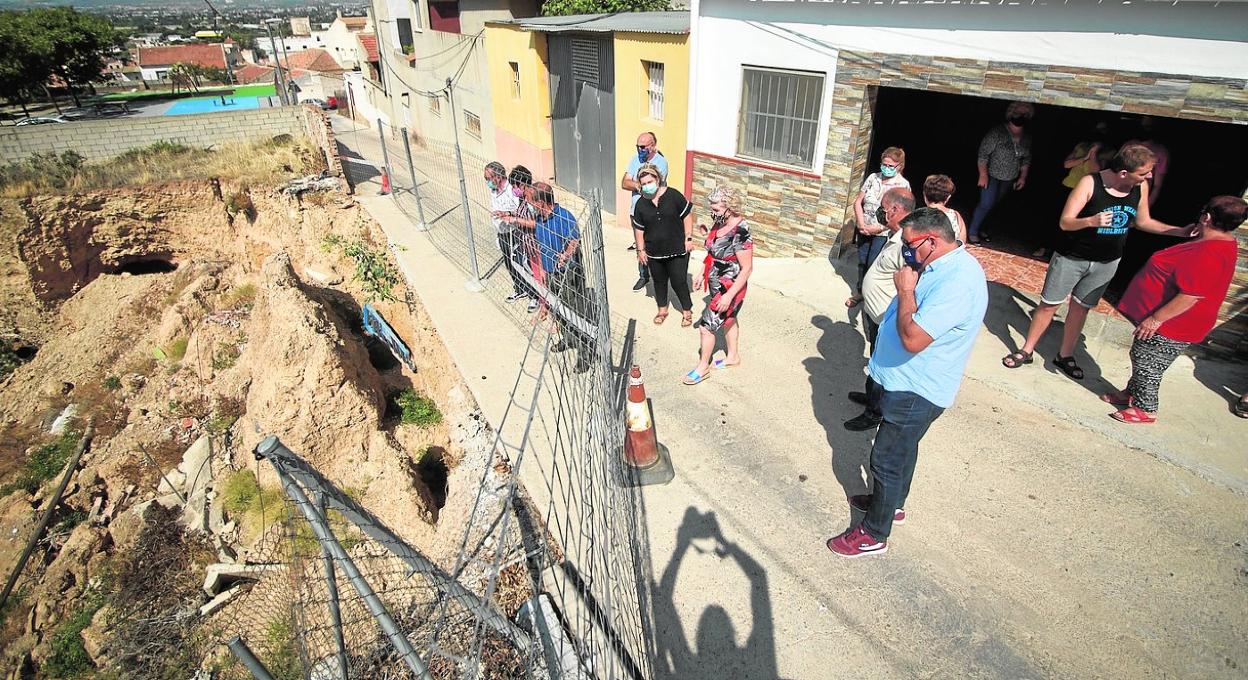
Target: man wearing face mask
<point x="925" y="340"/>
<point x="647" y="153"/>
<point x="558" y="238"/>
<point x="1004" y="161"/>
<point x="503" y="205"/>
<point x="878" y="291"/>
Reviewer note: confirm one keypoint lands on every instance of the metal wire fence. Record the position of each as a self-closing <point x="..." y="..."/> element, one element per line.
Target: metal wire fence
<point x="551" y="575"/>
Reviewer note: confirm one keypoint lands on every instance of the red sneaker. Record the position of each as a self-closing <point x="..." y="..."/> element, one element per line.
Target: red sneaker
<point x="856" y="543"/>
<point x="863" y="502"/>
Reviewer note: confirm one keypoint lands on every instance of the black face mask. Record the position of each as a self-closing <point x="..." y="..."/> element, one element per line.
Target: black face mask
<point x="1018" y="121"/>
<point x="881" y="217"/>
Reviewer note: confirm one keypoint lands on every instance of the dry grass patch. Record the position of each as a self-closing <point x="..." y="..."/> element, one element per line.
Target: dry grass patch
<point x="264" y="162"/>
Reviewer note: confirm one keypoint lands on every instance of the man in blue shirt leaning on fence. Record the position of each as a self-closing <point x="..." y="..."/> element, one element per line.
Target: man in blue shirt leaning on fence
<point x="558" y="239"/>
<point x="920" y="355"/>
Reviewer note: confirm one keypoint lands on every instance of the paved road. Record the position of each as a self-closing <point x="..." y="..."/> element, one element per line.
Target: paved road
<point x="1036" y="546"/>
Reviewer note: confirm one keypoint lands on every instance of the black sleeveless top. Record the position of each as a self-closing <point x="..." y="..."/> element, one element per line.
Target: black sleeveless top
<point x="1102" y="244"/>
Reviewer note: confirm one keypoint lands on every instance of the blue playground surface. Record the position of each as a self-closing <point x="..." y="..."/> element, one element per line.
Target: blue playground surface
<point x="212" y="104"/>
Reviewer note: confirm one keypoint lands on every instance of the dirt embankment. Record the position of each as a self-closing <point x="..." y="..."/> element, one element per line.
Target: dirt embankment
<point x="193" y="317"/>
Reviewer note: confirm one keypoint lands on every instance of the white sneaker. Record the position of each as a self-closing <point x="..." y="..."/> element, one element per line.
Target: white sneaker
<point x="513" y="297"/>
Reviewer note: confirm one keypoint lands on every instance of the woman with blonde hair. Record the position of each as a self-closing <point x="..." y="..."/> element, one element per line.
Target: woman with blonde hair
<point x="725" y="274"/>
<point x="663" y="230"/>
<point x="872" y="234"/>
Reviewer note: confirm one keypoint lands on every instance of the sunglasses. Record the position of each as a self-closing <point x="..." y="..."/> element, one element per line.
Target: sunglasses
<point x="918" y="242"/>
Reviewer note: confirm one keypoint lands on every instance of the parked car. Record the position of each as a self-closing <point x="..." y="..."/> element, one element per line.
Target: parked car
<point x="332" y="101"/>
<point x="325" y="105"/>
<point x="41" y="120"/>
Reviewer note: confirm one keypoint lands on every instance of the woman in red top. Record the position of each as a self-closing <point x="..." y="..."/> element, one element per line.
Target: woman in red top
<point x="1173" y="302"/>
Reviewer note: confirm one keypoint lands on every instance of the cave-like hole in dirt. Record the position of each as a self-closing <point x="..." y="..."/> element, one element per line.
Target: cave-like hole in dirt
<point x="433" y="472"/>
<point x="379" y="355"/>
<point x="151" y="265"/>
<point x="25" y="353"/>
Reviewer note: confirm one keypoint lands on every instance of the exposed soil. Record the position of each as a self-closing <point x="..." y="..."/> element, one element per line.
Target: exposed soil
<point x="158" y="317"/>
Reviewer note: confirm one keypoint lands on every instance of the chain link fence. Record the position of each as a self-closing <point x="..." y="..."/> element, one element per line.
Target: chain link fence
<point x="551" y="575"/>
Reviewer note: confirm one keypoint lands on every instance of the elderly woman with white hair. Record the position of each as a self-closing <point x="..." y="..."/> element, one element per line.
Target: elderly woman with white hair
<point x="726" y="272"/>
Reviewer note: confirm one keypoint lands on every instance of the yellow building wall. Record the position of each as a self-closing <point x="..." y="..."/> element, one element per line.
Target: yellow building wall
<point x="632" y="104"/>
<point x="521" y="120"/>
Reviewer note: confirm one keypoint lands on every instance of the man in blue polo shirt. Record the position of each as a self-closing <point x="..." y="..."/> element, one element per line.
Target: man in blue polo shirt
<point x="920" y="355"/>
<point x="558" y="238"/>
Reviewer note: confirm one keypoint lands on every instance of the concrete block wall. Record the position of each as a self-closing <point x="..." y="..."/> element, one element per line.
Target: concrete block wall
<point x="97" y="139"/>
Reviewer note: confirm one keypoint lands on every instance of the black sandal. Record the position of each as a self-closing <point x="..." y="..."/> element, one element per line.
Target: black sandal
<point x="1016" y="359"/>
<point x="1241" y="407"/>
<point x="1068" y="366"/>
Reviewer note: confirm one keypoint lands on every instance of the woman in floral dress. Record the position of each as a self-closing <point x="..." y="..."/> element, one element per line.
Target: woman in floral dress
<point x="729" y="261"/>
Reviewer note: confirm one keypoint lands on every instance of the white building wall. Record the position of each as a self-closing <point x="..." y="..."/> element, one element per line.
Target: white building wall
<point x="1187" y="39"/>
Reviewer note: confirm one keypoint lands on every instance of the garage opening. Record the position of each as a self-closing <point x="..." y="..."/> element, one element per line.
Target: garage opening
<point x="941" y="134"/>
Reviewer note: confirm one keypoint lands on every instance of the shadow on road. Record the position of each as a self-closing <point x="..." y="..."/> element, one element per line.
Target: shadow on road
<point x="835" y="370"/>
<point x="715" y="653"/>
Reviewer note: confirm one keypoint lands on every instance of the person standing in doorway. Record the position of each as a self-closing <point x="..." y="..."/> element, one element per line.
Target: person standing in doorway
<point x="1148" y="137"/>
<point x="1089" y="156"/>
<point x="1004" y="161"/>
<point x="871" y="233"/>
<point x="1099" y="212"/>
<point x="647" y="153"/>
<point x="663" y="233"/>
<point x="503" y="205"/>
<point x="925" y="341"/>
<point x="1174" y="301"/>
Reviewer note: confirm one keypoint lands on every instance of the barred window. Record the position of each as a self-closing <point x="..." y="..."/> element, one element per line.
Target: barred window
<point x="780" y="115"/>
<point x="435" y="105"/>
<point x="515" y="79"/>
<point x="654" y="89"/>
<point x="472" y="123"/>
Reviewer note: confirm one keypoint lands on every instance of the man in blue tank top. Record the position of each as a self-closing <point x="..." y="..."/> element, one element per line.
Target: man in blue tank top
<point x="1100" y="211"/>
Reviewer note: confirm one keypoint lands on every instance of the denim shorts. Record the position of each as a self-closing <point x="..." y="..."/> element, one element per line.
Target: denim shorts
<point x="1083" y="280"/>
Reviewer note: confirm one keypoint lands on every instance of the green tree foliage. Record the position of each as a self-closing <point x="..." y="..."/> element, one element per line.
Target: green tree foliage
<point x="553" y="8"/>
<point x="52" y="41"/>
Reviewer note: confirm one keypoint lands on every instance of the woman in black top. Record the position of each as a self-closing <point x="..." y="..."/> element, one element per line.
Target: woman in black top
<point x="663" y="228"/>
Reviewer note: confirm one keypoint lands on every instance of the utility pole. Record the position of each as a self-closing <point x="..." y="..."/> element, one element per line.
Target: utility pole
<point x="281" y="80"/>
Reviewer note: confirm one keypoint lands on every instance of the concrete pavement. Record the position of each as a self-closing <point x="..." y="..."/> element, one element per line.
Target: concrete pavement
<point x="1044" y="539"/>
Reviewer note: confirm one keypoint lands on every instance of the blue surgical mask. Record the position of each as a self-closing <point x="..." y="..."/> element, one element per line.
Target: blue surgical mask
<point x="649" y="190"/>
<point x="887" y="171"/>
<point x="490" y="183"/>
<point x="643" y="153"/>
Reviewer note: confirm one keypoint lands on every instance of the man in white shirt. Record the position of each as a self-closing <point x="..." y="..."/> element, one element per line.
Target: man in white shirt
<point x="503" y="203"/>
<point x="878" y="291"/>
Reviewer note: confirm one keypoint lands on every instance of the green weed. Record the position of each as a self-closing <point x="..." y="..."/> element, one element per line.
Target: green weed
<point x="415" y="409"/>
<point x="240" y="297"/>
<point x="112" y="382"/>
<point x="176" y="349"/>
<point x="69" y="657"/>
<point x="44" y="463"/>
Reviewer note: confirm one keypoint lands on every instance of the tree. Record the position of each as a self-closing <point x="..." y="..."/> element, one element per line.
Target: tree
<point x="565" y="7"/>
<point x="26" y="63"/>
<point x="81" y="44"/>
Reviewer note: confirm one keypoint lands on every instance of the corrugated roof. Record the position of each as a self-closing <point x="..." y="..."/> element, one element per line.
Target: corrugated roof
<point x="623" y="22"/>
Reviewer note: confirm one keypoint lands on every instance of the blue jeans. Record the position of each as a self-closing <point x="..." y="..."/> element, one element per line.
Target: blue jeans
<point x="869" y="248"/>
<point x="988" y="197"/>
<point x="895" y="453"/>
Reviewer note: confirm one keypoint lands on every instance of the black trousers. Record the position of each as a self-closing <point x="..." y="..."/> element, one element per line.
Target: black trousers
<point x="674" y="270"/>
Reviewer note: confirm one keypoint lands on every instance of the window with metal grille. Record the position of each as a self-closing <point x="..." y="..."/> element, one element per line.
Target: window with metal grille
<point x="472" y="123"/>
<point x="654" y="89"/>
<point x="435" y="105"/>
<point x="780" y="115"/>
<point x="515" y="79"/>
<point x="585" y="60"/>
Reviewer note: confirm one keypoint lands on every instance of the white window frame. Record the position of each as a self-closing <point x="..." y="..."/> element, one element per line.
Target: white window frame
<point x="778" y="127"/>
<point x="655" y="76"/>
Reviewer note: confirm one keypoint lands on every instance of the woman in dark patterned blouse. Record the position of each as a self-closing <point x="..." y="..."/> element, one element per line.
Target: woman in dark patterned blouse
<point x="729" y="261"/>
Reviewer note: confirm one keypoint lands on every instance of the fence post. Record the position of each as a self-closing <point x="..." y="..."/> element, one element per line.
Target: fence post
<point x="411" y="169"/>
<point x="475" y="284"/>
<point x="375" y="606"/>
<point x="385" y="156"/>
<point x="335" y="613"/>
<point x="243" y="653"/>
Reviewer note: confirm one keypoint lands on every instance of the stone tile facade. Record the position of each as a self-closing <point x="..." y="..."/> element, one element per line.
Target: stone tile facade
<point x="779" y="201"/>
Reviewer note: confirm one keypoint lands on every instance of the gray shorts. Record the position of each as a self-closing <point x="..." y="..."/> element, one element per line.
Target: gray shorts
<point x="1085" y="281"/>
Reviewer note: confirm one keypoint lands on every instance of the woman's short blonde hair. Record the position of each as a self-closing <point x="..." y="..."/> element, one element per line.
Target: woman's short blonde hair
<point x="653" y="170"/>
<point x="730" y="197"/>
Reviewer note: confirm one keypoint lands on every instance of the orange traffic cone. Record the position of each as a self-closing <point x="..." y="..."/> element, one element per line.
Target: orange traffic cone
<point x="649" y="460"/>
<point x="385" y="183"/>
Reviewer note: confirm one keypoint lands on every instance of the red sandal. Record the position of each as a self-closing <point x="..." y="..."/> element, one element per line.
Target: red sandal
<point x="1133" y="415"/>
